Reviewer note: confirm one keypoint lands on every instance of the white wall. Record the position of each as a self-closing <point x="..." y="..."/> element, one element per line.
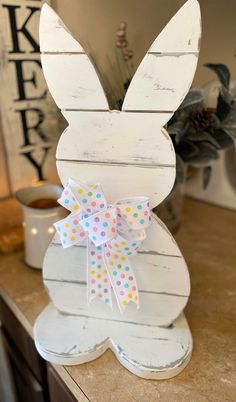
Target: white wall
<point x="95" y="21"/>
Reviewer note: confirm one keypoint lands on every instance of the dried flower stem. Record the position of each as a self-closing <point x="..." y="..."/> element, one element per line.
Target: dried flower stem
<point x="127" y="53"/>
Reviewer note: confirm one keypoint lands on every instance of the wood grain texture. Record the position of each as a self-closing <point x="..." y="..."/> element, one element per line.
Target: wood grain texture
<point x="129" y="154"/>
<point x="162" y="278"/>
<point x="161" y="82"/>
<point x="165" y="75"/>
<point x="28" y="114"/>
<point x="23" y="173"/>
<point x="54" y="36"/>
<point x="207" y="238"/>
<point x="76" y="84"/>
<point x="135" y="138"/>
<point x="161" y="271"/>
<point x="182" y="33"/>
<point x="156" y="309"/>
<point x="147" y="351"/>
<point x="122" y="180"/>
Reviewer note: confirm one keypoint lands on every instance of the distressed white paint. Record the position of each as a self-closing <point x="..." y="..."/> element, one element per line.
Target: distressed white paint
<point x="119" y="181"/>
<point x="155" y="309"/>
<point x="130" y="154"/>
<point x="147" y="351"/>
<point x="118" y="148"/>
<point x="158" y="83"/>
<point x="160" y="239"/>
<point x="54" y="36"/>
<point x="70" y="92"/>
<point x="117" y="137"/>
<point x="153" y="274"/>
<point x="182" y="33"/>
<point x="165" y="74"/>
<point x="162" y="279"/>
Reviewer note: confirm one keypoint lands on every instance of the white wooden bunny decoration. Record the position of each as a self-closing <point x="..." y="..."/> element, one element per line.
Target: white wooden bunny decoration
<point x="130" y="154"/>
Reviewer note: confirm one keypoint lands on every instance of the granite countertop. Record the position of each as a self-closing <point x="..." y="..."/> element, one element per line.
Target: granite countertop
<point x="207" y="239"/>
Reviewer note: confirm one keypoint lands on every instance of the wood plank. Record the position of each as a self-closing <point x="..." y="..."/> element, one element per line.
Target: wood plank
<point x="167" y="275"/>
<point x="28" y="114"/>
<point x="116" y="137"/>
<point x="53" y="34"/>
<point x="122" y="180"/>
<point x="165" y="74"/>
<point x="153" y="274"/>
<point x="161" y="82"/>
<point x="155" y="309"/>
<point x="159" y="240"/>
<point x="182" y="33"/>
<point x="147" y="351"/>
<point x="76" y="84"/>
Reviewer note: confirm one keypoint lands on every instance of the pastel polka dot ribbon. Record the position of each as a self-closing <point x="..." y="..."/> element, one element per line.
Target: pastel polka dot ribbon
<point x="114" y="233"/>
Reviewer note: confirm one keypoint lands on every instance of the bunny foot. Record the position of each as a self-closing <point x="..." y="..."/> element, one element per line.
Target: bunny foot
<point x="148" y="351"/>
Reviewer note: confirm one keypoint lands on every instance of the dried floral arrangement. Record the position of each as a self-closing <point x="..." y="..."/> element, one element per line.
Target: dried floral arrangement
<point x="124" y="56"/>
<point x="198" y="133"/>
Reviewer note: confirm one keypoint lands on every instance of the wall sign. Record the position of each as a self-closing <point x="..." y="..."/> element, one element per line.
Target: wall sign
<point x="28" y="113"/>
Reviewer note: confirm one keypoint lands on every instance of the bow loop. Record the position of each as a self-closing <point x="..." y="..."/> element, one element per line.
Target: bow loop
<point x="135" y="212"/>
<point x="90" y="198"/>
<point x="68" y="200"/>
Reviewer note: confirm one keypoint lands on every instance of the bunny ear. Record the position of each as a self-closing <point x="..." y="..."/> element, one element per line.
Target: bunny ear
<point x="165" y="75"/>
<point x="70" y="75"/>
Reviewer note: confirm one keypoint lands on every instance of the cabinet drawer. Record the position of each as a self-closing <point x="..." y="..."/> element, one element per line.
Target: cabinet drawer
<point x="23" y="342"/>
<point x="57" y="390"/>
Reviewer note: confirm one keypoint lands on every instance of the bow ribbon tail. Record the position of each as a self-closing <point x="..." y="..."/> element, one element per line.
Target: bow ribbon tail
<point x="121" y="274"/>
<point x="97" y="276"/>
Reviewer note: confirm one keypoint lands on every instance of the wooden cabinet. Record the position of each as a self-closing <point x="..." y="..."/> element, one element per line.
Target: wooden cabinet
<point x="34" y="380"/>
<point x="27" y="387"/>
<point x="29" y="370"/>
<point x="57" y="389"/>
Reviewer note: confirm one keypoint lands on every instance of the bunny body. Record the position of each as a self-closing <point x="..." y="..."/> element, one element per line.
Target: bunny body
<point x="130" y="154"/>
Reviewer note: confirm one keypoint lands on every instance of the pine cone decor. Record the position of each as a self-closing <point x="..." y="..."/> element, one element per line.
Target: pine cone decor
<point x="202" y="120"/>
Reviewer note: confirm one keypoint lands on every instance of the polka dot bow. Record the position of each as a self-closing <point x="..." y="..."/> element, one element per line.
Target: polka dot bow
<point x="113" y="232"/>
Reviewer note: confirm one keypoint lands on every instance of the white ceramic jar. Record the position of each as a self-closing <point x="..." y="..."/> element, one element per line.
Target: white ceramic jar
<point x="38" y="222"/>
